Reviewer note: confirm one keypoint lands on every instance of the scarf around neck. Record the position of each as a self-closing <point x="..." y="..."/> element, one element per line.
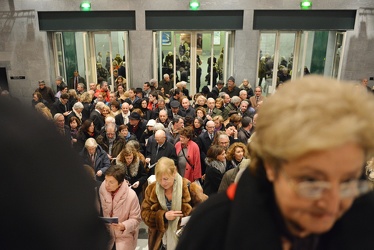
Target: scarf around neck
<point x="176" y="205"/>
<point x="221" y="166"/>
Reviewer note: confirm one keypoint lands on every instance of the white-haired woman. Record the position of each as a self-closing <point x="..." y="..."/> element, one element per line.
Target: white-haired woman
<point x="304" y="187"/>
<point x="96" y="157"/>
<point x="76" y="112"/>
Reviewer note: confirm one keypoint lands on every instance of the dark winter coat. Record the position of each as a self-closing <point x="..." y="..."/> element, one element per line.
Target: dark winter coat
<point x="247" y="217"/>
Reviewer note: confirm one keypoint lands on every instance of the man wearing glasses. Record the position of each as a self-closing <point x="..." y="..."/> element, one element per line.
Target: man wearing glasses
<point x="304" y="187"/>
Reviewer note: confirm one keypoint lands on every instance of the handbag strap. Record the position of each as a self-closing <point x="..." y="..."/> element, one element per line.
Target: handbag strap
<point x="193" y="167"/>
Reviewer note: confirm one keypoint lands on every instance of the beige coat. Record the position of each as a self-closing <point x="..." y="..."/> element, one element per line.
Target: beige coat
<point x="153" y="214"/>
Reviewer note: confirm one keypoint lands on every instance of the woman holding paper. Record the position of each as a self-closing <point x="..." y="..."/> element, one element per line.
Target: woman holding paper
<point x="135" y="172"/>
<point x="119" y="200"/>
<point x="166" y="201"/>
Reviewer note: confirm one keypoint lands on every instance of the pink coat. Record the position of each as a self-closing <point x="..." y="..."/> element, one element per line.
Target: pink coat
<point x="125" y="205"/>
<point x="193" y="157"/>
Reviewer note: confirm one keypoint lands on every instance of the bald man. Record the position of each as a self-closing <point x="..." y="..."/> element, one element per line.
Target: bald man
<point x="160" y="147"/>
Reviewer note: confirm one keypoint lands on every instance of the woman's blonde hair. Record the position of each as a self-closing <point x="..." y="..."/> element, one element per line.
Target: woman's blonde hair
<point x="312" y="114"/>
<point x="44" y="110"/>
<point x="85" y="97"/>
<point x="165" y="166"/>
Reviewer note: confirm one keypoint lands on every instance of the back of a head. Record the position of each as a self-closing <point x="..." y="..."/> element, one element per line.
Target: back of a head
<point x="52" y="203"/>
<point x="158" y="126"/>
<point x="316" y="114"/>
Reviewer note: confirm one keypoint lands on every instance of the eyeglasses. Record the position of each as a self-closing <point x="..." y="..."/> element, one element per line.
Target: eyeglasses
<point x="316" y="189"/>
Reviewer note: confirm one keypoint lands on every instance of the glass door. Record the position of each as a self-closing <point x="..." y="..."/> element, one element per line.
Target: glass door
<point x="288" y="55"/>
<point x="321" y="52"/>
<point x="196" y="57"/>
<point x="59" y="54"/>
<point x="96" y="55"/>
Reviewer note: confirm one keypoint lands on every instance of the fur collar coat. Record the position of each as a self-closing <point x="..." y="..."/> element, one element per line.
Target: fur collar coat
<point x="153" y="215"/>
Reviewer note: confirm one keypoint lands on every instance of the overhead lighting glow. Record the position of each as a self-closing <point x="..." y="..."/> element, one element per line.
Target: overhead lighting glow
<point x="306" y="5"/>
<point x="194" y="5"/>
<point x="85" y="6"/>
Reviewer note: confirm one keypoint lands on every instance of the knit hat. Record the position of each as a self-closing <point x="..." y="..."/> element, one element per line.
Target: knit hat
<point x="231" y="78"/>
<point x="134" y="116"/>
<point x="174" y="104"/>
<point x="59" y="78"/>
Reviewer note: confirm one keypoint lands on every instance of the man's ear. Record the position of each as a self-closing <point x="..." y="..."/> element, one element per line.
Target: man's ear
<point x="270" y="172"/>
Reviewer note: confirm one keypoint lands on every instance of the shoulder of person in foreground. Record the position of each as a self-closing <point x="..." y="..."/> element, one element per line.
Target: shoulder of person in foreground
<point x="207" y="226"/>
<point x="50" y="196"/>
<point x="355" y="229"/>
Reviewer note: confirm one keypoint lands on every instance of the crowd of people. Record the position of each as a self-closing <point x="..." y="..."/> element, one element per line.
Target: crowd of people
<point x="197" y="147"/>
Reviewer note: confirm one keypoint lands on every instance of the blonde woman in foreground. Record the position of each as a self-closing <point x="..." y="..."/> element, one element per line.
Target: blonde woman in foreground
<point x="304" y="187"/>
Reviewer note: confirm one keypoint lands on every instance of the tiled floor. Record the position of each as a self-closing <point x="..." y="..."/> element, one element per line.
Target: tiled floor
<point x="143" y="237"/>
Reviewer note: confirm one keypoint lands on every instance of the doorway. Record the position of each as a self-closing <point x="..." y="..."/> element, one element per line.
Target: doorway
<point x="93" y="54"/>
<point x="293" y="54"/>
<point x="200" y="58"/>
<point x="3" y="79"/>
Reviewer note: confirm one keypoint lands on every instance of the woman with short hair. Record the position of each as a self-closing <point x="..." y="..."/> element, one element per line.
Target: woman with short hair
<point x="304" y="188"/>
<point x="95" y="156"/>
<point x="215" y="162"/>
<point x="118" y="200"/>
<point x="76" y="112"/>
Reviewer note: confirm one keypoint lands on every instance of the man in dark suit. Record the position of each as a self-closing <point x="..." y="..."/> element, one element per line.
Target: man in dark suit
<point x="190" y="111"/>
<point x="62" y="129"/>
<point x="123" y="117"/>
<point x="96" y="116"/>
<point x="159" y="148"/>
<point x="205" y="141"/>
<point x="135" y="126"/>
<point x="217" y="89"/>
<point x="62" y="105"/>
<point x="73" y="81"/>
<point x="211" y="110"/>
<point x="175" y="110"/>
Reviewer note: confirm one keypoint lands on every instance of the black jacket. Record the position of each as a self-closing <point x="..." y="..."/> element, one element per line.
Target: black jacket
<point x="139" y="130"/>
<point x="97" y="119"/>
<point x="252" y="221"/>
<point x="167" y="150"/>
<point x="204" y="143"/>
<point x="58" y="107"/>
<point x="102" y="161"/>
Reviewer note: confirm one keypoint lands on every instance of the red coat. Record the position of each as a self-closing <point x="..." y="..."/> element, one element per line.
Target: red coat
<point x="105" y="93"/>
<point x="191" y="173"/>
